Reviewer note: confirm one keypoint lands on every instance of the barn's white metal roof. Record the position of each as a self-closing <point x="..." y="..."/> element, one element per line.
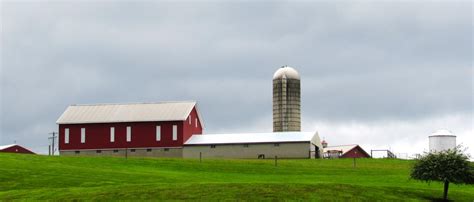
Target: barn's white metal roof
<point x="343" y="148"/>
<point x="2" y="147"/>
<point x="286" y="72"/>
<point x="250" y="138"/>
<point x="135" y="112"/>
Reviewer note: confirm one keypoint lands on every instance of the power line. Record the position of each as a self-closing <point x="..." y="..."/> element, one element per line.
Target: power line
<point x="53" y="139"/>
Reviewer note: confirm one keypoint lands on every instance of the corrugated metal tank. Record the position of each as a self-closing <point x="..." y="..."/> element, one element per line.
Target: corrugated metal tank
<point x="286" y="100"/>
<point x="442" y="140"/>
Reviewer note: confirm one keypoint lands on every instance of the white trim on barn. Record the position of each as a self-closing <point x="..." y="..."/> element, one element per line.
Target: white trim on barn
<point x="129" y="133"/>
<point x="83" y="135"/>
<point x="112" y="134"/>
<point x="158" y="133"/>
<point x="175" y="132"/>
<point x="66" y="136"/>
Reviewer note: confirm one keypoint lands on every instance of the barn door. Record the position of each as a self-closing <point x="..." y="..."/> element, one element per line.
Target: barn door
<point x="316" y="152"/>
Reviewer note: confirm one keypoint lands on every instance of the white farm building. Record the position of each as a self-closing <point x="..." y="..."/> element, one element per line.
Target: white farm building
<point x="254" y="145"/>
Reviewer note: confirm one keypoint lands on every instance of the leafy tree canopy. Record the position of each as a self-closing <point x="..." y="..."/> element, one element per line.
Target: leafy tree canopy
<point x="446" y="166"/>
<point x="451" y="166"/>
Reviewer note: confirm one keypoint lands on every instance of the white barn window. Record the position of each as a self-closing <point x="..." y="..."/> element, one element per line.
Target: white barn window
<point x="129" y="133"/>
<point x="83" y="135"/>
<point x="66" y="136"/>
<point x="196" y="122"/>
<point x="175" y="132"/>
<point x="158" y="133"/>
<point x="112" y="134"/>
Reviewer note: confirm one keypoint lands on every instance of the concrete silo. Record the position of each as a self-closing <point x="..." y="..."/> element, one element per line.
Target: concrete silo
<point x="442" y="140"/>
<point x="286" y="100"/>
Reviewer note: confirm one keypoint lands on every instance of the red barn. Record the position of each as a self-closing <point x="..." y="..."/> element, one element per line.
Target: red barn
<point x="14" y="148"/>
<point x="142" y="129"/>
<point x="345" y="151"/>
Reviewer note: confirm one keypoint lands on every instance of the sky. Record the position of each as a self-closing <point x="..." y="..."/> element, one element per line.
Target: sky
<point x="382" y="74"/>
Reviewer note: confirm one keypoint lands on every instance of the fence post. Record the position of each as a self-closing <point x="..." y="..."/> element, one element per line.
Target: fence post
<point x="200" y="157"/>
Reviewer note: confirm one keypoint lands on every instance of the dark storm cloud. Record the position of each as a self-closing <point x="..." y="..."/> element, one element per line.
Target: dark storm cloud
<point x="361" y="61"/>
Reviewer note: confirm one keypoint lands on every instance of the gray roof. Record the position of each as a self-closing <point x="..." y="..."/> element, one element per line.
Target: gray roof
<point x="135" y="112"/>
<point x="251" y="138"/>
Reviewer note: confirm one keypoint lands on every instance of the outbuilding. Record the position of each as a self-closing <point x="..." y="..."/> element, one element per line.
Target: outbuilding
<point x="137" y="129"/>
<point x="14" y="148"/>
<point x="254" y="145"/>
<point x="345" y="151"/>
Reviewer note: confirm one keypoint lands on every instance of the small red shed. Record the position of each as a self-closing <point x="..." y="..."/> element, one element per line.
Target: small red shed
<point x="345" y="151"/>
<point x="14" y="148"/>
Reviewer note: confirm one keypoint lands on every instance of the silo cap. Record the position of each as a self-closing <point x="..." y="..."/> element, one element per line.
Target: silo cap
<point x="442" y="132"/>
<point x="286" y="72"/>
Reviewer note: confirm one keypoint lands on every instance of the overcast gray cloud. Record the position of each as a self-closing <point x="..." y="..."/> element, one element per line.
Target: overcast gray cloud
<point x="397" y="69"/>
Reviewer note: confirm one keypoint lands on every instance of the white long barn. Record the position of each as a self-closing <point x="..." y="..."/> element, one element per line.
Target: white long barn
<point x="254" y="145"/>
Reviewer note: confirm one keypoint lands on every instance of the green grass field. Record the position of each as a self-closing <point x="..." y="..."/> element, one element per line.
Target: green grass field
<point x="35" y="177"/>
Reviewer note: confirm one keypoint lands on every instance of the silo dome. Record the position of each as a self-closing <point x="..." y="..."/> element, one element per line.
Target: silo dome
<point x="286" y="72"/>
<point x="286" y="100"/>
<point x="442" y="132"/>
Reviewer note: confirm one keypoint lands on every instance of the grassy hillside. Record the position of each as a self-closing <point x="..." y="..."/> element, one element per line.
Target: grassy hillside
<point x="105" y="178"/>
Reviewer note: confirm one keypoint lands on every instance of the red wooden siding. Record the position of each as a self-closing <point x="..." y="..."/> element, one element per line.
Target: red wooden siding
<point x="143" y="134"/>
<point x="17" y="149"/>
<point x="356" y="152"/>
<point x="191" y="129"/>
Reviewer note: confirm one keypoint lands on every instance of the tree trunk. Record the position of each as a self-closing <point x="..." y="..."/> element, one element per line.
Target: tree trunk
<point x="446" y="186"/>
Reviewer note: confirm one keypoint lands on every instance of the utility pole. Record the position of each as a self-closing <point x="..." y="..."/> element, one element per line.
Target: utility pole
<point x="53" y="139"/>
<point x="355" y="158"/>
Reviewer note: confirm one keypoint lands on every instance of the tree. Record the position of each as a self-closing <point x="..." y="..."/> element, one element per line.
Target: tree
<point x="446" y="166"/>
